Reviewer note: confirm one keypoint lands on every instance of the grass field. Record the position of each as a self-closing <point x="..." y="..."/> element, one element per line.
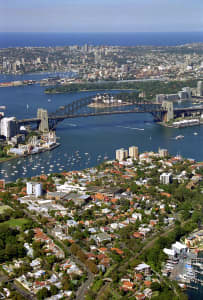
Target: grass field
<point x="16" y="222"/>
<point x="3" y="208"/>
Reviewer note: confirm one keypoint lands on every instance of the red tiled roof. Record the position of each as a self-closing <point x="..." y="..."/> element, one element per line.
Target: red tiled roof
<point x="117" y="250"/>
<point x="138" y="276"/>
<point x="147" y="283"/>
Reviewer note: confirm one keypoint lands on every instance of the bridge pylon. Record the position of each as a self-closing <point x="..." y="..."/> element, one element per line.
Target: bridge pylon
<point x="42" y="114"/>
<point x="169" y="114"/>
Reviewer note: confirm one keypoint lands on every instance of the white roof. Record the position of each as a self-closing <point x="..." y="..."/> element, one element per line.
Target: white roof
<point x="179" y="245"/>
<point x="142" y="267"/>
<point x="169" y="252"/>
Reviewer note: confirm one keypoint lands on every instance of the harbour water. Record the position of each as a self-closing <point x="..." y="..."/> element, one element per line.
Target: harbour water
<point x="93" y="138"/>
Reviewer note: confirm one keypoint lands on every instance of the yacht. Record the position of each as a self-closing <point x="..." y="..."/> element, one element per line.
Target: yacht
<point x="179" y="137"/>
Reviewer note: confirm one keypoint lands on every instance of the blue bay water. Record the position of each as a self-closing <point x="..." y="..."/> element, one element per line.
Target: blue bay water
<point x="97" y="136"/>
<point x="120" y="39"/>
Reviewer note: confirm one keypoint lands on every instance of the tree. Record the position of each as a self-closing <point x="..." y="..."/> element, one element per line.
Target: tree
<point x="82" y="256"/>
<point x="92" y="266"/>
<point x="66" y="283"/>
<point x="42" y="294"/>
<point x="74" y="248"/>
<point x="53" y="290"/>
<point x="155" y="286"/>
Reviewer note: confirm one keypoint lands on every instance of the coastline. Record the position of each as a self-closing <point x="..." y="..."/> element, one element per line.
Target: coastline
<point x="29" y="154"/>
<point x="88" y="90"/>
<point x="7" y="159"/>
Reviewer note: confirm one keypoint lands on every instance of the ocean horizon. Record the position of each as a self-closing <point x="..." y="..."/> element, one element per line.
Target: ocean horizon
<point x="53" y="39"/>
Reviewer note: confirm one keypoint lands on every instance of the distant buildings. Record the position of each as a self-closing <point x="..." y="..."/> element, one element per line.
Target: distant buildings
<point x="184" y="94"/>
<point x="34" y="188"/>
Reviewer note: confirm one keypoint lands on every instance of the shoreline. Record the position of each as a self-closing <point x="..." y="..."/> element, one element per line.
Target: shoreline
<point x="89" y="90"/>
<point x="29" y="154"/>
<point x="8" y="159"/>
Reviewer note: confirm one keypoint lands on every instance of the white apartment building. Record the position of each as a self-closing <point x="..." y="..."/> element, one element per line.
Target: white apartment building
<point x="166" y="178"/>
<point x="163" y="152"/>
<point x="8" y="127"/>
<point x="133" y="152"/>
<point x="34" y="188"/>
<point x="121" y="154"/>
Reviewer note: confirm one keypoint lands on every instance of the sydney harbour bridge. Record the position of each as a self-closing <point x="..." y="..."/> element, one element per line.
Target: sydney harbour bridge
<point x="163" y="112"/>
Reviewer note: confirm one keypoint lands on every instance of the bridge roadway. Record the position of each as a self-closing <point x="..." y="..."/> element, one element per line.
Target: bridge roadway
<point x="103" y="113"/>
<point x="71" y="115"/>
<point x="176" y="110"/>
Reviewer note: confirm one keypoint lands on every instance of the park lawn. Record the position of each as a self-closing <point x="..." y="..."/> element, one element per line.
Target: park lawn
<point x="16" y="222"/>
<point x="3" y="208"/>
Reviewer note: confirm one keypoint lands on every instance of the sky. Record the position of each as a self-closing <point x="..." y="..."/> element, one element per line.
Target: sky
<point x="101" y="15"/>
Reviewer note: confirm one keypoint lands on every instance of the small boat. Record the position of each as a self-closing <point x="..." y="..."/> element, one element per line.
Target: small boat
<point x="179" y="137"/>
<point x="195" y="133"/>
<point x="49" y="100"/>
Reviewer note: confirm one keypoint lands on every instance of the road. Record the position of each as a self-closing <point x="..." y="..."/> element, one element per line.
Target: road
<point x="22" y="292"/>
<point x="85" y="286"/>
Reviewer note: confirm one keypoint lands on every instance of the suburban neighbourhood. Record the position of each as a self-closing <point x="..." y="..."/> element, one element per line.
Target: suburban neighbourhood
<point x="104" y="232"/>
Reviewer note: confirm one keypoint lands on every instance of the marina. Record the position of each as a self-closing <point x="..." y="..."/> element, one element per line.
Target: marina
<point x="185" y="263"/>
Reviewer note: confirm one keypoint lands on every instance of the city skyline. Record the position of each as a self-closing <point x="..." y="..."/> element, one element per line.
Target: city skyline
<point x="107" y="16"/>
